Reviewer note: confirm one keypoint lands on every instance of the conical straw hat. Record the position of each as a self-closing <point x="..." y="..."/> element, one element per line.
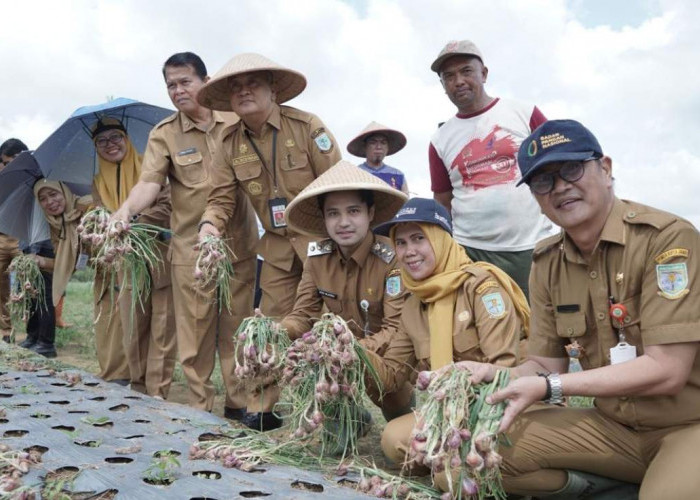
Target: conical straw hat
<point x="396" y="139"/>
<point x="304" y="216"/>
<point x="215" y="94"/>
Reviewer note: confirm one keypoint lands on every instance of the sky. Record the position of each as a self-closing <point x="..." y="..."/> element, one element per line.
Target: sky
<point x="627" y="69"/>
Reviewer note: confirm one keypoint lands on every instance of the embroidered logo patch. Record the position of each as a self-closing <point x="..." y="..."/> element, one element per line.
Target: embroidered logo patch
<point x="669" y="254"/>
<point x="464" y="316"/>
<point x="393" y="286"/>
<point x="254" y="188"/>
<point x="324" y="143"/>
<point x="486" y="285"/>
<point x="494" y="304"/>
<point x="672" y="280"/>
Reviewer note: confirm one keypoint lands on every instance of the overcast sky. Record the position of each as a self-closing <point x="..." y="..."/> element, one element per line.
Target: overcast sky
<point x="628" y="69"/>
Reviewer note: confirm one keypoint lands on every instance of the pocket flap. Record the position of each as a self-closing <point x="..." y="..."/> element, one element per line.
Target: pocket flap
<point x="188" y="159"/>
<point x="571" y="324"/>
<point x="248" y="171"/>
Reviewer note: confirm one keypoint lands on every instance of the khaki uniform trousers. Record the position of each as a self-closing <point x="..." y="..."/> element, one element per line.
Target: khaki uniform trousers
<point x="109" y="335"/>
<point x="279" y="291"/>
<point x="548" y="442"/>
<point x="149" y="335"/>
<point x="6" y="257"/>
<point x="202" y="331"/>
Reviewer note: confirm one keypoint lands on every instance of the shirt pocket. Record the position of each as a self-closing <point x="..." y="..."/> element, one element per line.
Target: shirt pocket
<point x="297" y="172"/>
<point x="247" y="173"/>
<point x="190" y="169"/>
<point x="571" y="325"/>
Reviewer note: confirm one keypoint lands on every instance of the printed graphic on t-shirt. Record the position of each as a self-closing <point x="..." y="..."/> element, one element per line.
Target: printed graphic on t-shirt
<point x="487" y="161"/>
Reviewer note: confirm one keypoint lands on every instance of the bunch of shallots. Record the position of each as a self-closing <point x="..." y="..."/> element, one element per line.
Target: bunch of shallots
<point x="14" y="464"/>
<point x="93" y="227"/>
<point x="214" y="265"/>
<point x="325" y="377"/>
<point x="27" y="294"/>
<point x="456" y="432"/>
<point x="260" y="348"/>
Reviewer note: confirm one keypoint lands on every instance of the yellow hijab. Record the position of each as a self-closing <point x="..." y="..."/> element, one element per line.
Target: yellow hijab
<point x="112" y="190"/>
<point x="439" y="290"/>
<point x="64" y="235"/>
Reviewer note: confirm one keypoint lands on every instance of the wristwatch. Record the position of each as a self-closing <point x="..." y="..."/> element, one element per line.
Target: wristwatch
<point x="557" y="392"/>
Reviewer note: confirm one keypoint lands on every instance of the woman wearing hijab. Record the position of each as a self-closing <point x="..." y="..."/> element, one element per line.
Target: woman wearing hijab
<point x="149" y="330"/>
<point x="459" y="310"/>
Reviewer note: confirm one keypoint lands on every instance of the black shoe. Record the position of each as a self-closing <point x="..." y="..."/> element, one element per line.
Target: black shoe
<point x="235" y="413"/>
<point x="266" y="421"/>
<point x="28" y="343"/>
<point x="44" y="349"/>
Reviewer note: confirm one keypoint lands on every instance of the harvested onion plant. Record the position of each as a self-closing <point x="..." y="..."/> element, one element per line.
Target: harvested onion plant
<point x="325" y="377"/>
<point x="13" y="465"/>
<point x="122" y="247"/>
<point x="260" y="350"/>
<point x="381" y="484"/>
<point x="214" y="265"/>
<point x="27" y="294"/>
<point x="456" y="432"/>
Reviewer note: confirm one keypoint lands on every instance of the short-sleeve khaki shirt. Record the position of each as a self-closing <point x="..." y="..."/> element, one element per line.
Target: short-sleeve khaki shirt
<point x="341" y="284"/>
<point x="645" y="260"/>
<point x="181" y="152"/>
<point x="305" y="149"/>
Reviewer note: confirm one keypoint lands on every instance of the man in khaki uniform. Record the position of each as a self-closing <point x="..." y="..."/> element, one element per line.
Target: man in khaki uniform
<point x="270" y="155"/>
<point x="354" y="273"/>
<point x="617" y="289"/>
<point x="180" y="151"/>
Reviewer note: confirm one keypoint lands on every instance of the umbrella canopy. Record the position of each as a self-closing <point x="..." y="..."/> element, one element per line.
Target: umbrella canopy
<point x="69" y="154"/>
<point x="20" y="213"/>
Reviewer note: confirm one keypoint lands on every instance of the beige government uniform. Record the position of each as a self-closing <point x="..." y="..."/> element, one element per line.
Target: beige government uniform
<point x="9" y="249"/>
<point x="182" y="153"/>
<point x="372" y="274"/>
<point x="483" y="331"/>
<point x="645" y="259"/>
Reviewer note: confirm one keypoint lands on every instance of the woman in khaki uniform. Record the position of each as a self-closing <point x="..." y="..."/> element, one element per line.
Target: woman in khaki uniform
<point x="147" y="340"/>
<point x="460" y="310"/>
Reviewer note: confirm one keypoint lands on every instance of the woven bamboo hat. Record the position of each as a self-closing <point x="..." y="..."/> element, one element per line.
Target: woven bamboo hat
<point x="286" y="83"/>
<point x="304" y="213"/>
<point x="396" y="139"/>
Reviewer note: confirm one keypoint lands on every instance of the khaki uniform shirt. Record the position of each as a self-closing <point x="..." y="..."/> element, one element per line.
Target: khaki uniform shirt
<point x="305" y="149"/>
<point x="370" y="274"/>
<point x="8" y="244"/>
<point x="182" y="153"/>
<point x="645" y="259"/>
<point x="486" y="328"/>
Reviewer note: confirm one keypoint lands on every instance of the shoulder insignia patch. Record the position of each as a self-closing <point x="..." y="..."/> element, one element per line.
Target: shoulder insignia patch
<point x="322" y="247"/>
<point x="395" y="272"/>
<point x="669" y="254"/>
<point x="322" y="140"/>
<point x="672" y="280"/>
<point x="383" y="251"/>
<point x="494" y="304"/>
<point x="486" y="285"/>
<point x="393" y="285"/>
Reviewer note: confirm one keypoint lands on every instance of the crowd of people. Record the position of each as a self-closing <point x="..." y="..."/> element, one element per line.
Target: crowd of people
<point x="476" y="276"/>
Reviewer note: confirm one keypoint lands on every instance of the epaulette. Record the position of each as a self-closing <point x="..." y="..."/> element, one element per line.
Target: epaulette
<point x="637" y="213"/>
<point x="383" y="251"/>
<point x="165" y="120"/>
<point x="322" y="247"/>
<point x="296" y="114"/>
<point x="543" y="246"/>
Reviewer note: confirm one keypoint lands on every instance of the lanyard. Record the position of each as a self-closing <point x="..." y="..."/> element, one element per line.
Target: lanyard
<point x="272" y="172"/>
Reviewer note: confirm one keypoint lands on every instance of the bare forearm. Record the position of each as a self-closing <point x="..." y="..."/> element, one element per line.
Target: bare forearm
<point x="142" y="196"/>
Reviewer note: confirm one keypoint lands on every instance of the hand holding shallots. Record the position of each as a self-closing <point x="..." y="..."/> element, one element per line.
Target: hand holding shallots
<point x="214" y="265"/>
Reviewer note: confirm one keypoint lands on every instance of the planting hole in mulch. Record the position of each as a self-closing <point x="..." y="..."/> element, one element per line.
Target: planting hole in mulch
<point x="166" y="481"/>
<point x="136" y="398"/>
<point x="75" y="389"/>
<point x="61" y="402"/>
<point x="40" y="415"/>
<point x="64" y="428"/>
<point x="348" y="483"/>
<point x="203" y="498"/>
<point x="91" y="384"/>
<point x="59" y="384"/>
<point x="135" y="436"/>
<point x="119" y="460"/>
<point x="253" y="494"/>
<point x="78" y="412"/>
<point x="208" y="436"/>
<point x="119" y="408"/>
<point x="142" y="421"/>
<point x="105" y="495"/>
<point x="15" y="433"/>
<point x="67" y="473"/>
<point x="303" y="485"/>
<point x="22" y="405"/>
<point x="180" y="420"/>
<point x="97" y="398"/>
<point x="165" y="453"/>
<point x="36" y="449"/>
<point x="6" y="395"/>
<point x="3" y="421"/>
<point x="207" y="474"/>
<point x="88" y="444"/>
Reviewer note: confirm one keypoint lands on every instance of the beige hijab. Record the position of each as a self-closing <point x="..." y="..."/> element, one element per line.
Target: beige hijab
<point x="64" y="235"/>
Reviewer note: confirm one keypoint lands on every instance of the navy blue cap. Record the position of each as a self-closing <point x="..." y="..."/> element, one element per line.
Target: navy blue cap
<point x="419" y="210"/>
<point x="555" y="141"/>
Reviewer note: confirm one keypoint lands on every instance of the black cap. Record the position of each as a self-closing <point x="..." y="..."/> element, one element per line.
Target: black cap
<point x="555" y="141"/>
<point x="419" y="210"/>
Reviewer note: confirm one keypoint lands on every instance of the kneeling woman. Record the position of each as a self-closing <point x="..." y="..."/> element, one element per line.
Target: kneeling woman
<point x="459" y="310"/>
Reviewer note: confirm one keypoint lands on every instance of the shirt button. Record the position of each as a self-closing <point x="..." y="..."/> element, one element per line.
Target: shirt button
<point x="569" y="330"/>
<point x="601" y="316"/>
<point x="631" y="215"/>
<point x="593" y="275"/>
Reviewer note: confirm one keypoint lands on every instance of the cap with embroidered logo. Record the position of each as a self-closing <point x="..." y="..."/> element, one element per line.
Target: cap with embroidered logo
<point x="419" y="210"/>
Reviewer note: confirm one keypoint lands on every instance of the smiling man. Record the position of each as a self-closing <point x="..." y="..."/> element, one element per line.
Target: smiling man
<point x="473" y="166"/>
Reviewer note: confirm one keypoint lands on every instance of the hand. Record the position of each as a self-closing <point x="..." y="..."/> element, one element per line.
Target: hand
<point x="122" y="214"/>
<point x="520" y="394"/>
<point x="481" y="372"/>
<point x="208" y="230"/>
<point x="258" y="313"/>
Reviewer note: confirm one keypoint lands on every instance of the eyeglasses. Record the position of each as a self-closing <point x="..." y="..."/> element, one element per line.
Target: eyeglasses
<point x="570" y="171"/>
<point x="114" y="139"/>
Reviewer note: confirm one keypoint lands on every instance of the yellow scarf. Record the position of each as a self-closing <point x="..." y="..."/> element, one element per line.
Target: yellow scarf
<point x="439" y="290"/>
<point x="111" y="190"/>
<point x="64" y="236"/>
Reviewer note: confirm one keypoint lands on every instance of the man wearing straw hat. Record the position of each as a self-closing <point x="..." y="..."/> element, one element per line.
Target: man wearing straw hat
<point x="375" y="143"/>
<point x="352" y="272"/>
<point x="271" y="154"/>
<point x="179" y="151"/>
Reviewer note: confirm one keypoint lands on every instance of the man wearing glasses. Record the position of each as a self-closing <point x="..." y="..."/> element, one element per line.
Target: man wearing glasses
<point x="473" y="168"/>
<point x="617" y="290"/>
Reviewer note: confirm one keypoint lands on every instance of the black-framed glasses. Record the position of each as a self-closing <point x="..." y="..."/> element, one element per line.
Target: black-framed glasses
<point x="570" y="171"/>
<point x="114" y="139"/>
